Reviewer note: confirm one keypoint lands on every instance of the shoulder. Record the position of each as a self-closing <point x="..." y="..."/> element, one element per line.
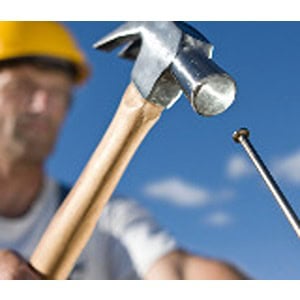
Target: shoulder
<point x="120" y="212"/>
<point x="124" y="205"/>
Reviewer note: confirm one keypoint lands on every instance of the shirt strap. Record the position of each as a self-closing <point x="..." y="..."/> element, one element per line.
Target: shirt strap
<point x="63" y="192"/>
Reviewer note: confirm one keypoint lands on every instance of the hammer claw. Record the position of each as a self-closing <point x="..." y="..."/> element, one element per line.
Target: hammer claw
<point x="123" y="34"/>
<point x="131" y="50"/>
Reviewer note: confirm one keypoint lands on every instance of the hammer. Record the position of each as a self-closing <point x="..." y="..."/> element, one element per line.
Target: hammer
<point x="171" y="58"/>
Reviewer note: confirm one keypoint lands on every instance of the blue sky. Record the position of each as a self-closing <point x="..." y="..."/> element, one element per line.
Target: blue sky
<point x="188" y="172"/>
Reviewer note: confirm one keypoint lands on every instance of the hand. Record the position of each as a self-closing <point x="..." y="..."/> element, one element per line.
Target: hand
<point x="13" y="266"/>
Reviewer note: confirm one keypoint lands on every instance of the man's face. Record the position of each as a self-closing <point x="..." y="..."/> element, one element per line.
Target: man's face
<point x="33" y="104"/>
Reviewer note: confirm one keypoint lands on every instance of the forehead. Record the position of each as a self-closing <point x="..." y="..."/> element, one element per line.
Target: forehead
<point x="40" y="75"/>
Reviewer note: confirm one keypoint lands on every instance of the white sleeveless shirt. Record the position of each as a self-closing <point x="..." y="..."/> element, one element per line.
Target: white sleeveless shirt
<point x="125" y="243"/>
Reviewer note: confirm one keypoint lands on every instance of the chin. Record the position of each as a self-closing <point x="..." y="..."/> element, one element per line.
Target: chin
<point x="40" y="154"/>
<point x="38" y="157"/>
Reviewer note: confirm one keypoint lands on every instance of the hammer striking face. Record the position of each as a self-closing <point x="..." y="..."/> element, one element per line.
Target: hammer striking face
<point x="171" y="58"/>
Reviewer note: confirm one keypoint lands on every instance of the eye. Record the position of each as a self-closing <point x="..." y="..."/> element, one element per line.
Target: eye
<point x="19" y="87"/>
<point x="61" y="97"/>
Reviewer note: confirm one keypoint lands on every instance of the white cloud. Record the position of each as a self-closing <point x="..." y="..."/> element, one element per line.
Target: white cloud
<point x="179" y="192"/>
<point x="218" y="219"/>
<point x="238" y="167"/>
<point x="288" y="167"/>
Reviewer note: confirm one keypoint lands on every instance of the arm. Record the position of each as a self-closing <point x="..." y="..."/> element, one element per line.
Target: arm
<point x="181" y="265"/>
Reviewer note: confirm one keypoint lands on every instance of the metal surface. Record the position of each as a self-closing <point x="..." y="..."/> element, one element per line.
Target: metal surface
<point x="241" y="136"/>
<point x="171" y="58"/>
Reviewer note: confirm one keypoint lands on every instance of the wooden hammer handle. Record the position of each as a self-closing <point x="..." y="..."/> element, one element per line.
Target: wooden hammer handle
<point x="74" y="222"/>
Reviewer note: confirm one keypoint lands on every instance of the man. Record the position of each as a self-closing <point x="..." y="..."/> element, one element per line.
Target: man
<point x="39" y="65"/>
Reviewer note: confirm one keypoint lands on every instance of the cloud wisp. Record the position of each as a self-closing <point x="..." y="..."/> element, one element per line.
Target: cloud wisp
<point x="182" y="193"/>
<point x="218" y="219"/>
<point x="288" y="167"/>
<point x="239" y="167"/>
<point x="177" y="191"/>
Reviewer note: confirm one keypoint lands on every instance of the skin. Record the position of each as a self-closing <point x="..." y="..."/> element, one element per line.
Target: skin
<point x="33" y="105"/>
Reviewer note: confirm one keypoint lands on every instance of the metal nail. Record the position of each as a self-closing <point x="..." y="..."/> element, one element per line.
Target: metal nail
<point x="242" y="136"/>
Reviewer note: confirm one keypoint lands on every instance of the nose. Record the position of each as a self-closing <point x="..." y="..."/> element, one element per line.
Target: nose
<point x="40" y="101"/>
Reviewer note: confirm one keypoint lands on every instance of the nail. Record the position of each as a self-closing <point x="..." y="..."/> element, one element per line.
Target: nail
<point x="242" y="136"/>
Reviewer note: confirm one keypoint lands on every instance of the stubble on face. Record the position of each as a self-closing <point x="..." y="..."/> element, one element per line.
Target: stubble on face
<point x="36" y="135"/>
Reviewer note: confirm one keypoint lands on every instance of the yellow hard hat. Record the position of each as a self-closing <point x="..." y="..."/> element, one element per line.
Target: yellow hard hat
<point x="46" y="39"/>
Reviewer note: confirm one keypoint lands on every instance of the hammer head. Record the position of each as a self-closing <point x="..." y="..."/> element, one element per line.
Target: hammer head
<point x="171" y="58"/>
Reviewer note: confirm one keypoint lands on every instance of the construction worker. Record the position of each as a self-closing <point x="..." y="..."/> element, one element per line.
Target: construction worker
<point x="40" y="63"/>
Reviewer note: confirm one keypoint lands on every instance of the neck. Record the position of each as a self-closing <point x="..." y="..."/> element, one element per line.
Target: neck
<point x="20" y="184"/>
